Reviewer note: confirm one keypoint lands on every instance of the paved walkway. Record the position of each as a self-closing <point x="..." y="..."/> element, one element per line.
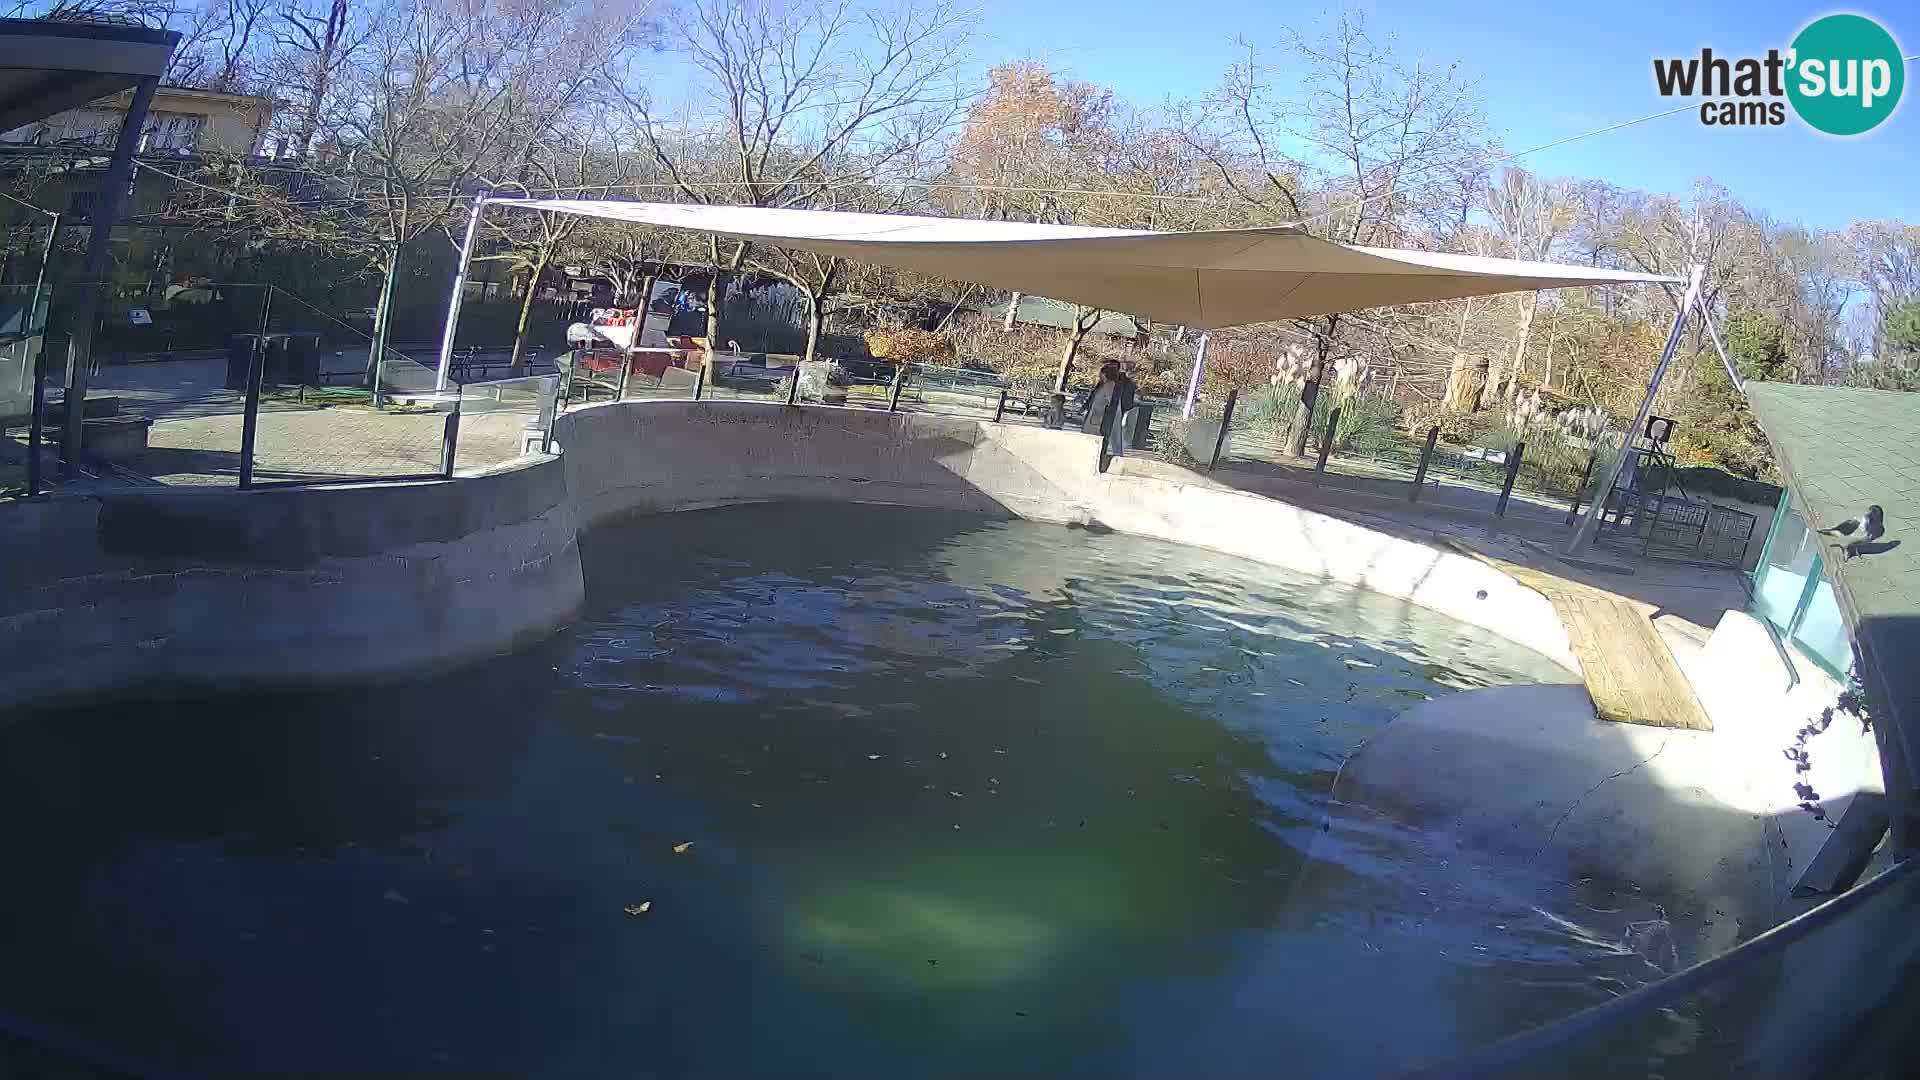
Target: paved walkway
<point x="195" y="438"/>
<point x="323" y="444"/>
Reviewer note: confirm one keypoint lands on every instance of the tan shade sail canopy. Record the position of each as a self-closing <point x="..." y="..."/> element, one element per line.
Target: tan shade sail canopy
<point x="1204" y="280"/>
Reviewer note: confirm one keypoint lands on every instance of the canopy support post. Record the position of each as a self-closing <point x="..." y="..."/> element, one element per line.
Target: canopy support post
<point x="1713" y="335"/>
<point x="459" y="293"/>
<point x="1193" y="381"/>
<point x="1583" y="536"/>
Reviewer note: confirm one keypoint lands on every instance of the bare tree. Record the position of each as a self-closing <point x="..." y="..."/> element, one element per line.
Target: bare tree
<point x="1373" y="130"/>
<point x="1528" y="216"/>
<point x="804" y="97"/>
<point x="317" y="38"/>
<point x="529" y="243"/>
<point x="220" y="46"/>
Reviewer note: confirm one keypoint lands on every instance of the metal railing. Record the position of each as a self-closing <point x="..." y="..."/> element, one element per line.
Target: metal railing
<point x="1795" y="1001"/>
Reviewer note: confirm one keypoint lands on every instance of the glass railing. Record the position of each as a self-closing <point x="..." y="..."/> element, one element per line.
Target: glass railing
<point x="503" y="419"/>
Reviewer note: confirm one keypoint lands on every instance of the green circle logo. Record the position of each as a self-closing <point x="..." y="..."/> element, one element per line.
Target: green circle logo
<point x="1846" y="74"/>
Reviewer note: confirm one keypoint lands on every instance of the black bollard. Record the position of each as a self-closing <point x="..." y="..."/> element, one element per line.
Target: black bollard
<point x="1581" y="489"/>
<point x="1326" y="446"/>
<point x="1426" y="455"/>
<point x="250" y="416"/>
<point x="449" y="439"/>
<point x="1226" y="425"/>
<point x="1513" y="471"/>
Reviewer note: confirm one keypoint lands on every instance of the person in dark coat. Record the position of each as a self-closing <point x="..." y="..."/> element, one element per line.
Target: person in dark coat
<point x="1115" y="424"/>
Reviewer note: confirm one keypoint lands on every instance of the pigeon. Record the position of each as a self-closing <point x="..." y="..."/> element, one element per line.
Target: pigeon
<point x="1859" y="531"/>
<point x="1870" y="525"/>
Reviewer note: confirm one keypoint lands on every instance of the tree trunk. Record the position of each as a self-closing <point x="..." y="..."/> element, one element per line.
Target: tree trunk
<point x="1309" y="397"/>
<point x="716" y="295"/>
<point x="1463" y="387"/>
<point x="1529" y="306"/>
<point x="1480" y="369"/>
<point x="519" y="362"/>
<point x="816" y="322"/>
<point x="1074" y="337"/>
<point x="647" y="282"/>
<point x="1013" y="312"/>
<point x="382" y="311"/>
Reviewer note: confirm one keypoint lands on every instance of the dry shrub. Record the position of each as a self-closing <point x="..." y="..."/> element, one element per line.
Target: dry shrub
<point x="1455" y="425"/>
<point x="907" y="344"/>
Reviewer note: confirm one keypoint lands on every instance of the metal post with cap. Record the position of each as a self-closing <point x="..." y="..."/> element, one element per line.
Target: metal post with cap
<point x="459" y="291"/>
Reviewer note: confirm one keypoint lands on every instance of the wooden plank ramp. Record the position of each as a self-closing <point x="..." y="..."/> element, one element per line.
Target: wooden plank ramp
<point x="1631" y="674"/>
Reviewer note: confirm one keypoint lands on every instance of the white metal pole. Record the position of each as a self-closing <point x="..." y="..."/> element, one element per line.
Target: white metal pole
<point x="1193" y="381"/>
<point x="459" y="292"/>
<point x="1589" y="523"/>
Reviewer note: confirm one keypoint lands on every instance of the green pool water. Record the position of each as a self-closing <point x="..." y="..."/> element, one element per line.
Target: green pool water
<point x="810" y="790"/>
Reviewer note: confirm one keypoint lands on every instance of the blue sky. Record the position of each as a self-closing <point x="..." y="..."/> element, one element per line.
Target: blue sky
<point x="1545" y="71"/>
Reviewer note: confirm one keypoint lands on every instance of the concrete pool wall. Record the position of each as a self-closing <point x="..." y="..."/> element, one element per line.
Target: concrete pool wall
<point x="649" y="457"/>
<point x="169" y="590"/>
<point x="157" y="590"/>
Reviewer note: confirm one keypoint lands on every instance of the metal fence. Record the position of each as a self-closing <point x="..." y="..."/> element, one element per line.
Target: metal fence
<point x="1539" y="474"/>
<point x="242" y="384"/>
<point x="654" y="373"/>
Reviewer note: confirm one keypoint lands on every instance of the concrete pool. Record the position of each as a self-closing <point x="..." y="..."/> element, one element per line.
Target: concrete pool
<point x="960" y="797"/>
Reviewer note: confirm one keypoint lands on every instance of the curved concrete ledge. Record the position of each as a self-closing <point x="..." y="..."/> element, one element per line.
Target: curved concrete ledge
<point x="1524" y="785"/>
<point x="170" y="590"/>
<point x="641" y="457"/>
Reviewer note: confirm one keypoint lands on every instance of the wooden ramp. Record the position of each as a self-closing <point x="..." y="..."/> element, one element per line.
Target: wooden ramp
<point x="1631" y="674"/>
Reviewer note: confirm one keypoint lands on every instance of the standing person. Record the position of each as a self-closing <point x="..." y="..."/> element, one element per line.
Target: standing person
<point x="1095" y="422"/>
<point x="1124" y="389"/>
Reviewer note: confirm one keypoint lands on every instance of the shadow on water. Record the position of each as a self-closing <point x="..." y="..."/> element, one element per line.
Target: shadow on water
<point x="957" y="797"/>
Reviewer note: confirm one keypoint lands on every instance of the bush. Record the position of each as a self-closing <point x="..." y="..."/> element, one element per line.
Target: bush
<point x="1455" y="425"/>
<point x="909" y="345"/>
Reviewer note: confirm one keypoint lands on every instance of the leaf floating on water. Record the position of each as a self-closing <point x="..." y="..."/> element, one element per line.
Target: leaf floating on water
<point x="683" y="847"/>
<point x="640" y="908"/>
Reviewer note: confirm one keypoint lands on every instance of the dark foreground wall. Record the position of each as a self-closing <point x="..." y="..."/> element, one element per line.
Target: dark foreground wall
<point x="175" y="589"/>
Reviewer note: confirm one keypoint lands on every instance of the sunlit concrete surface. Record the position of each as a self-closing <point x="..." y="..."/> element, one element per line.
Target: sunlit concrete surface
<point x="1526" y="785"/>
